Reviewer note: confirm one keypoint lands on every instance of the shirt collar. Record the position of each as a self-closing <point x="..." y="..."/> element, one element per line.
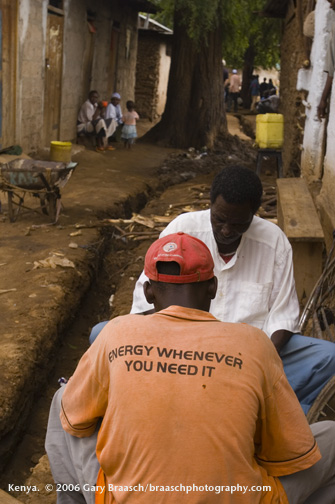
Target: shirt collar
<point x="181" y="312"/>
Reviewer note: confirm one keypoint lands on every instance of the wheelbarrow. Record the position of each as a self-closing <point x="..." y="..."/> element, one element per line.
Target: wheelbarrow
<point x="40" y="179"/>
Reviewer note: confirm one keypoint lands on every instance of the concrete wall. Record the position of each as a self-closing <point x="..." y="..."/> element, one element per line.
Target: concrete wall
<point x="75" y="29"/>
<point x="30" y="72"/>
<point x="317" y="161"/>
<point x="164" y="71"/>
<point x="312" y="81"/>
<point x="32" y="27"/>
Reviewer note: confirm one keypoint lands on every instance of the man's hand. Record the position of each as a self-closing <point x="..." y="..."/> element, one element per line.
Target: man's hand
<point x="280" y="338"/>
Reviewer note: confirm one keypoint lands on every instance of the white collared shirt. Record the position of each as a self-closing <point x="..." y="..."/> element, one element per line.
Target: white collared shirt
<point x="256" y="286"/>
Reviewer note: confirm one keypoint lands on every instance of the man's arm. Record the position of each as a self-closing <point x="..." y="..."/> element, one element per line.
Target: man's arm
<point x="280" y="338"/>
<point x="284" y="441"/>
<point x="283" y="317"/>
<point x="97" y="112"/>
<point x="86" y="395"/>
<point x="321" y="110"/>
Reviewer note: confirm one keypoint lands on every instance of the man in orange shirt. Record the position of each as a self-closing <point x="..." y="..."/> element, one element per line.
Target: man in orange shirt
<point x="191" y="408"/>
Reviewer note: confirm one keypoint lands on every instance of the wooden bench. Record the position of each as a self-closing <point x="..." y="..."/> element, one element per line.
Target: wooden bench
<point x="298" y="218"/>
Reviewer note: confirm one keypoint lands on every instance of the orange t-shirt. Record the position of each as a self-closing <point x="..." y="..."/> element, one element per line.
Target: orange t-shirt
<point x="188" y="401"/>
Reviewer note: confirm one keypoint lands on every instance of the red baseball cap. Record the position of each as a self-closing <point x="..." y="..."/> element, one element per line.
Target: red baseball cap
<point x="192" y="255"/>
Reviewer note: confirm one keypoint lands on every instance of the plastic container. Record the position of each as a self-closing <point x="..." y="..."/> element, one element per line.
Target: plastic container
<point x="269" y="131"/>
<point x="60" y="151"/>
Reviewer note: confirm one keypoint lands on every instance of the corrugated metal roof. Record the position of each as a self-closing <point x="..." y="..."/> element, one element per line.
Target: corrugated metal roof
<point x="152" y="24"/>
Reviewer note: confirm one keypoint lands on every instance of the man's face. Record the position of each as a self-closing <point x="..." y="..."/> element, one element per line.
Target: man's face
<point x="229" y="221"/>
<point x="94" y="98"/>
<point x="332" y="4"/>
<point x="115" y="101"/>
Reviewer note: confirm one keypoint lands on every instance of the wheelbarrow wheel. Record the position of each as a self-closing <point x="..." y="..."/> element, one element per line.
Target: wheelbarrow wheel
<point x="48" y="205"/>
<point x="52" y="207"/>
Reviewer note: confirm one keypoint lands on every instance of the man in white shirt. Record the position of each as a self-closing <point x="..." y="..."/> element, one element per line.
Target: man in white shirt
<point x="253" y="264"/>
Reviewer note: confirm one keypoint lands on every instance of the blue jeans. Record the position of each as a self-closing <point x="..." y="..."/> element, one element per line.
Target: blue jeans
<point x="309" y="363"/>
<point x="96" y="330"/>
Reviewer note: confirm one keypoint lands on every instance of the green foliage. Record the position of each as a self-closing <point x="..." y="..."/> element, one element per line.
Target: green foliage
<point x="199" y="16"/>
<point x="165" y="12"/>
<point x="242" y="27"/>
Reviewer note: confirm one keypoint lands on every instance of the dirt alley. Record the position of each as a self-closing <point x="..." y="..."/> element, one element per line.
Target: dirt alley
<point x="41" y="303"/>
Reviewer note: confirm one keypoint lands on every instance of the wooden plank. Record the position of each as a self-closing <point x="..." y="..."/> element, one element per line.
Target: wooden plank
<point x="5" y="498"/>
<point x="297" y="214"/>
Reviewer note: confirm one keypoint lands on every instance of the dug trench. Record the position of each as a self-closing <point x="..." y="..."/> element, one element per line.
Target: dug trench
<point x="114" y="262"/>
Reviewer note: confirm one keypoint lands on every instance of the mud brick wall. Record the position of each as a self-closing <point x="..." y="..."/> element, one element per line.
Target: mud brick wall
<point x="147" y="75"/>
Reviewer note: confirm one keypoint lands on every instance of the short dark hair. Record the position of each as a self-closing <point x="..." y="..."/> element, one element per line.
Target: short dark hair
<point x="130" y="104"/>
<point x="91" y="93"/>
<point x="237" y="185"/>
<point x="167" y="268"/>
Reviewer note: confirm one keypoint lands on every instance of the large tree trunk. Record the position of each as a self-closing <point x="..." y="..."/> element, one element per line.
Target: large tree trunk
<point x="194" y="113"/>
<point x="248" y="68"/>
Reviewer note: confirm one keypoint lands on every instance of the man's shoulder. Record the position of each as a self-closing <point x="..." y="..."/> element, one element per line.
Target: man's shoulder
<point x="190" y="222"/>
<point x="264" y="231"/>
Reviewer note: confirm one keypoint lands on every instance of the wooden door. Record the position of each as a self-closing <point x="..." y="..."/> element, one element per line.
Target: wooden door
<point x="8" y="28"/>
<point x="53" y="77"/>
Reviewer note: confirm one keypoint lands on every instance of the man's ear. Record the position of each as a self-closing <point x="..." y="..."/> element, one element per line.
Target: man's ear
<point x="148" y="292"/>
<point x="212" y="287"/>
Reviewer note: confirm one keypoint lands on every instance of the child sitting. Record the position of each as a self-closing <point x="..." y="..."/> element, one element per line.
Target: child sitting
<point x="129" y="132"/>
